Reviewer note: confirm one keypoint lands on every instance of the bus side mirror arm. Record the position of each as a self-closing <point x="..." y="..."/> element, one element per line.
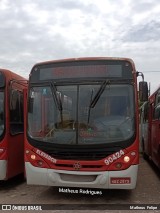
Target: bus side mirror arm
<point x="140" y="74"/>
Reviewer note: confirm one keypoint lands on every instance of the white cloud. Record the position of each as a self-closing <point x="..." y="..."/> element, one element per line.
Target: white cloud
<point x="4" y="5"/>
<point x="36" y="13"/>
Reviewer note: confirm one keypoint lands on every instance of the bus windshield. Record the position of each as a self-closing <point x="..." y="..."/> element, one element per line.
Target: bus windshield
<point x="81" y="119"/>
<point x="1" y="112"/>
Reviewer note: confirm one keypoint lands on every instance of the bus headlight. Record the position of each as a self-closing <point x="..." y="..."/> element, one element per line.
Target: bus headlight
<point x="126" y="159"/>
<point x="33" y="157"/>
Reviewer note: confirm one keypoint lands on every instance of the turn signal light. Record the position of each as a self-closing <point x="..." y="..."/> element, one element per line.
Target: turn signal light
<point x="39" y="163"/>
<point x="118" y="165"/>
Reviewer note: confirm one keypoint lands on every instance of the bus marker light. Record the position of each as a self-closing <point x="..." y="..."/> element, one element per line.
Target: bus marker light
<point x="1" y="150"/>
<point x="133" y="153"/>
<point x="126" y="159"/>
<point x="27" y="151"/>
<point x="33" y="157"/>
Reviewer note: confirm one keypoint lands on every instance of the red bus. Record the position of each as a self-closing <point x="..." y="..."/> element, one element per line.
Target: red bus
<point x="150" y="128"/>
<point x="11" y="124"/>
<point x="82" y="124"/>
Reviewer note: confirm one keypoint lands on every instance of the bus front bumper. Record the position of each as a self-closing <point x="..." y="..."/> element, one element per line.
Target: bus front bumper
<point x="125" y="179"/>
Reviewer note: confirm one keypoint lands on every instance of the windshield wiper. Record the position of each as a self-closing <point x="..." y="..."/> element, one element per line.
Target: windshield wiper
<point x="57" y="100"/>
<point x="89" y="110"/>
<point x="98" y="94"/>
<point x="96" y="97"/>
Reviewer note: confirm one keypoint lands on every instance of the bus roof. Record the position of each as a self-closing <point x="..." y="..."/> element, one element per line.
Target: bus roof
<point x="86" y="59"/>
<point x="97" y="67"/>
<point x="11" y="75"/>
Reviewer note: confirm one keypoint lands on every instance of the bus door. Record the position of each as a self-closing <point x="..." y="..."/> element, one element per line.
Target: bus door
<point x="16" y="131"/>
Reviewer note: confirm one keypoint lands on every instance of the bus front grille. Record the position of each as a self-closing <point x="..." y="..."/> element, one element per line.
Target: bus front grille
<point x="82" y="154"/>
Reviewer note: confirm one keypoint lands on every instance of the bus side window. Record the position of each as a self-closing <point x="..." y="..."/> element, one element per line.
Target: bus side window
<point x="157" y="101"/>
<point x="157" y="106"/>
<point x="157" y="112"/>
<point x="16" y="112"/>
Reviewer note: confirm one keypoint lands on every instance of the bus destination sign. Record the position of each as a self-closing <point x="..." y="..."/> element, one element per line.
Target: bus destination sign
<point x="80" y="72"/>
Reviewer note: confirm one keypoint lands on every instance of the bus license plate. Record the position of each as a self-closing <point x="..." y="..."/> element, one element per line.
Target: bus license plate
<point x="118" y="180"/>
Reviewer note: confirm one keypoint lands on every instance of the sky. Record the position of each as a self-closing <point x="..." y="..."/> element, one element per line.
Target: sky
<point x="42" y="30"/>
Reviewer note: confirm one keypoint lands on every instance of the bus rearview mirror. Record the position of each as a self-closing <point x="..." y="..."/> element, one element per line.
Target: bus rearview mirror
<point x="143" y="91"/>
